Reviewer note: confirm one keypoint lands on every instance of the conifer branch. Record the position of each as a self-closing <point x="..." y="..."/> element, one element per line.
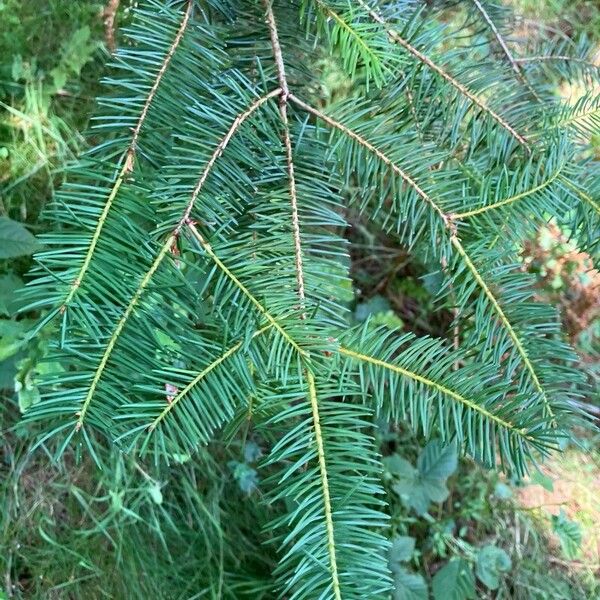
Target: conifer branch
<point x="118" y="329"/>
<point x="265" y="276"/>
<point x="128" y="157"/>
<point x="374" y="59"/>
<point x="312" y="390"/>
<point x="450" y="225"/>
<point x="201" y="375"/>
<point x="396" y="37"/>
<point x="499" y="38"/>
<point x="580" y="116"/>
<point x="283" y="101"/>
<point x="471" y="404"/>
<point x="581" y="193"/>
<point x="518" y="344"/>
<point x="314" y="404"/>
<point x="510" y="200"/>
<point x="164" y="250"/>
<point x="376" y="151"/>
<point x="511" y="59"/>
<point x="264" y="312"/>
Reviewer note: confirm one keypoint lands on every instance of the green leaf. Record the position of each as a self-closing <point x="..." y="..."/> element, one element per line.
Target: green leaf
<point x="437" y="461"/>
<point x="155" y="492"/>
<point x="9" y="286"/>
<point x="418" y="487"/>
<point x="569" y="535"/>
<point x="28" y="394"/>
<point x="12" y="337"/>
<point x="15" y="240"/>
<point x="396" y="465"/>
<point x="409" y="586"/>
<point x="492" y="563"/>
<point x="373" y="306"/>
<point x="454" y="581"/>
<point x="76" y="51"/>
<point x="401" y="550"/>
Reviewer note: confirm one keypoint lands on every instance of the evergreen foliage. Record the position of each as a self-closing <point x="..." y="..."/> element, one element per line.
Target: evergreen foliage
<point x="198" y="282"/>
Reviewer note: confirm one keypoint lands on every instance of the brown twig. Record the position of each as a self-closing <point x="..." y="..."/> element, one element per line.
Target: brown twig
<point x="513" y="63"/>
<point x="283" y="101"/>
<point x="110" y="14"/>
<point x="398" y="39"/>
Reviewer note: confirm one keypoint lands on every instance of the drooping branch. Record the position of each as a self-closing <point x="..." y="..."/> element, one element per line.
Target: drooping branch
<point x="468" y="403"/>
<point x="480" y="103"/>
<point x="164" y="250"/>
<point x="283" y="101"/>
<point x="450" y="223"/>
<point x="128" y="156"/>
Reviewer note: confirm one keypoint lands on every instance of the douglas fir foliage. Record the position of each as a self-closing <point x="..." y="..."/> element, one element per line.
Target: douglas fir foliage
<point x="196" y="284"/>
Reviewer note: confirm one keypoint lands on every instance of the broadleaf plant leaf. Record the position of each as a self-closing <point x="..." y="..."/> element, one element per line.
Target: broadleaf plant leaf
<point x="454" y="581"/>
<point x="492" y="563"/>
<point x="15" y="239"/>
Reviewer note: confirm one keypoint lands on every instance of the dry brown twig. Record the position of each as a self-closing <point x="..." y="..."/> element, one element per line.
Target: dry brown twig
<point x="109" y="15"/>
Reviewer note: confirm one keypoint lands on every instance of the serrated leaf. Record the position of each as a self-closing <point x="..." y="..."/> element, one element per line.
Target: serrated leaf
<point x="15" y="239"/>
<point x="569" y="535"/>
<point x="437" y="461"/>
<point x="454" y="581"/>
<point x="409" y="586"/>
<point x="399" y="466"/>
<point x="401" y="550"/>
<point x="418" y="487"/>
<point x="492" y="563"/>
